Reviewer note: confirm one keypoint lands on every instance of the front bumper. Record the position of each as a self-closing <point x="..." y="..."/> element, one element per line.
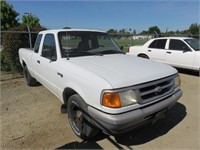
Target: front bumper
<point x="120" y="123"/>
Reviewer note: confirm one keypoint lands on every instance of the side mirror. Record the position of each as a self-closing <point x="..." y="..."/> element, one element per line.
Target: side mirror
<point x="53" y="59"/>
<point x="53" y="56"/>
<point x="121" y="47"/>
<point x="186" y="49"/>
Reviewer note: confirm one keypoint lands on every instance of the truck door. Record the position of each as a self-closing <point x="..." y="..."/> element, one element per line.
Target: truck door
<point x="47" y="63"/>
<point x="34" y="64"/>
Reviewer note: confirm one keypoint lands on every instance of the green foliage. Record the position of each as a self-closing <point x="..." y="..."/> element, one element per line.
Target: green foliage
<point x="134" y="32"/>
<point x="112" y="32"/>
<point x="12" y="42"/>
<point x="4" y="66"/>
<point x="67" y="28"/>
<point x="194" y="29"/>
<point x="121" y="33"/>
<point x="8" y="16"/>
<point x="144" y="32"/>
<point x="31" y="20"/>
<point x="153" y="30"/>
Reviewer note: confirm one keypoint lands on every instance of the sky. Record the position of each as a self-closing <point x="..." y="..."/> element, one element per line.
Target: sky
<point x="112" y="14"/>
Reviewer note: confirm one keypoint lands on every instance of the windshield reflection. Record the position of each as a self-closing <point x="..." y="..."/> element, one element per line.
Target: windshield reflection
<point x="86" y="43"/>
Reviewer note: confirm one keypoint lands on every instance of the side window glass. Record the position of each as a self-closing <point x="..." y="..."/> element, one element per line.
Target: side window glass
<point x="49" y="47"/>
<point x="160" y="44"/>
<point x="37" y="43"/>
<point x="152" y="45"/>
<point x="177" y="45"/>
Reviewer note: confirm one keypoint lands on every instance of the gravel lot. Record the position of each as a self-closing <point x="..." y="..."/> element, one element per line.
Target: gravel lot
<point x="31" y="119"/>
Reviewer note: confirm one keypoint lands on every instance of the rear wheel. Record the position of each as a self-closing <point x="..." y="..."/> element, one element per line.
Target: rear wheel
<point x="143" y="56"/>
<point x="76" y="110"/>
<point x="29" y="79"/>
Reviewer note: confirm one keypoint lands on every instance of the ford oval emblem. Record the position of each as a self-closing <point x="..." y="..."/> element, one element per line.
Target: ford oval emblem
<point x="158" y="89"/>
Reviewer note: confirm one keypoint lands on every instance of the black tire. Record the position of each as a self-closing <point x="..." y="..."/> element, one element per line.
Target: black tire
<point x="143" y="56"/>
<point x="199" y="72"/>
<point x="77" y="111"/>
<point x="29" y="79"/>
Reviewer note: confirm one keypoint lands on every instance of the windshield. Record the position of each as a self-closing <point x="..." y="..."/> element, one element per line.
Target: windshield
<point x="84" y="43"/>
<point x="194" y="43"/>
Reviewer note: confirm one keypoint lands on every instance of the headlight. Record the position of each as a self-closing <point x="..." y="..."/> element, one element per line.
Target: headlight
<point x="177" y="81"/>
<point x="119" y="99"/>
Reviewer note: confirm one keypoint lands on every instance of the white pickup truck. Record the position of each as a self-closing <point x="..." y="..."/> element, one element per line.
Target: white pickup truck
<point x="182" y="52"/>
<point x="101" y="87"/>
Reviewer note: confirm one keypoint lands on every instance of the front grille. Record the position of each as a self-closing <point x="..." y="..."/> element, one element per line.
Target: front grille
<point x="155" y="90"/>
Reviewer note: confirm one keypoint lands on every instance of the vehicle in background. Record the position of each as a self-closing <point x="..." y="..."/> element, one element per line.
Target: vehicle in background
<point x="181" y="52"/>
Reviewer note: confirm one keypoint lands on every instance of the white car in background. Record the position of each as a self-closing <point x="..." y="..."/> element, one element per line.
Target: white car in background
<point x="182" y="52"/>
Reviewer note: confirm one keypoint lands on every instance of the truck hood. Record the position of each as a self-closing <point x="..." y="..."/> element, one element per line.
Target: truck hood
<point x="123" y="70"/>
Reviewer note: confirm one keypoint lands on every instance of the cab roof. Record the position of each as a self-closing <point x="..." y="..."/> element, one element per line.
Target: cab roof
<point x="67" y="30"/>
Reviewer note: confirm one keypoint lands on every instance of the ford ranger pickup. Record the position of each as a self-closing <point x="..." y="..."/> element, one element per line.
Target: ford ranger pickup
<point x="100" y="87"/>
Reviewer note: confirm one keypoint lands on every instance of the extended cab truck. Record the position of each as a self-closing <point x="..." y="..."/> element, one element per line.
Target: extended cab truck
<point x="100" y="86"/>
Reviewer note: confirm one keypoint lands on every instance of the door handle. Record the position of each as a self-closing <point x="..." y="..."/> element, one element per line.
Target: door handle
<point x="169" y="52"/>
<point x="61" y="75"/>
<point x="149" y="50"/>
<point x="38" y="61"/>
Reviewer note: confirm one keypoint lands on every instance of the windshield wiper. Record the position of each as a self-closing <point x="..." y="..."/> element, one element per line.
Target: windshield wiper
<point x="83" y="53"/>
<point x="91" y="53"/>
<point x="112" y="52"/>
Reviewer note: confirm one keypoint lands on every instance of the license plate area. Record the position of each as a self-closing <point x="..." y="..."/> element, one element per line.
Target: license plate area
<point x="159" y="115"/>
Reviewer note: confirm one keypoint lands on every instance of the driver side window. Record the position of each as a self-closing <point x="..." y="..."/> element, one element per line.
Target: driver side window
<point x="49" y="47"/>
<point x="177" y="45"/>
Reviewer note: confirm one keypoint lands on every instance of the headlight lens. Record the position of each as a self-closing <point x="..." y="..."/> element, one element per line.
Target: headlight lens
<point x="119" y="99"/>
<point x="111" y="100"/>
<point x="177" y="81"/>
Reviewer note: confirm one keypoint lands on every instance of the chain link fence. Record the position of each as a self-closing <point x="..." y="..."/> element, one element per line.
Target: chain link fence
<point x="11" y="41"/>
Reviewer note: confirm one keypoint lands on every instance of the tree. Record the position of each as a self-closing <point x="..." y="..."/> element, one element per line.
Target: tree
<point x="8" y="16"/>
<point x="112" y="32"/>
<point x="194" y="29"/>
<point x="134" y="32"/>
<point x="122" y="31"/>
<point x="154" y="29"/>
<point x="31" y="20"/>
<point x="67" y="28"/>
<point x="144" y="32"/>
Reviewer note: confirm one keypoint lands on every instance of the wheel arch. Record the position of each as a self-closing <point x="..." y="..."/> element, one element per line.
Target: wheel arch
<point x="23" y="63"/>
<point x="67" y="93"/>
<point x="143" y="55"/>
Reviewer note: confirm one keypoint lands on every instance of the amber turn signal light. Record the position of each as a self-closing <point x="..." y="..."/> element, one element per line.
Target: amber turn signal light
<point x="111" y="100"/>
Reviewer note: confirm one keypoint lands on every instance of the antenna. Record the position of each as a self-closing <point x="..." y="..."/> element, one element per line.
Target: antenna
<point x="66" y="44"/>
<point x="190" y="34"/>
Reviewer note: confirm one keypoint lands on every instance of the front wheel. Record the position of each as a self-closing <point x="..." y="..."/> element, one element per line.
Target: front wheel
<point x="76" y="110"/>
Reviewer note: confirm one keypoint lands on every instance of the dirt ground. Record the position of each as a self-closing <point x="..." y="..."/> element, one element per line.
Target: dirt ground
<point x="31" y="119"/>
